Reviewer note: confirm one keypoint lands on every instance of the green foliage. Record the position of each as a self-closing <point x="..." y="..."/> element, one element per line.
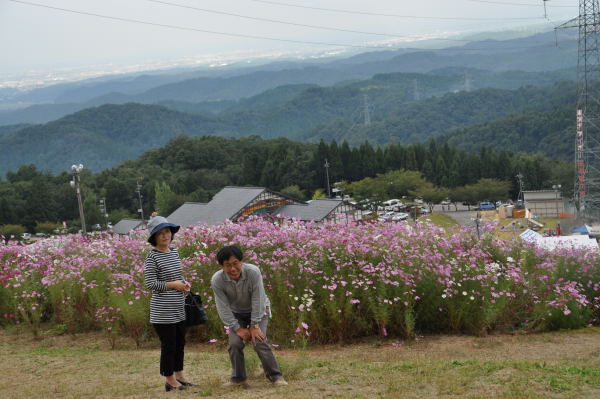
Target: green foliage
<point x="166" y="201"/>
<point x="294" y="192"/>
<point x="12" y="231"/>
<point x="319" y="193"/>
<point x="47" y="227"/>
<point x="394" y="184"/>
<point x="431" y="195"/>
<point x="194" y="169"/>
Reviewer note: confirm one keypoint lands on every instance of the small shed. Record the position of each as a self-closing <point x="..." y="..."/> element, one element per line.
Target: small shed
<point x="544" y="203"/>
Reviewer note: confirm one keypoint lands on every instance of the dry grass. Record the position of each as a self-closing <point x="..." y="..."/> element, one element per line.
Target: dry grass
<point x="553" y="365"/>
<point x="441" y="219"/>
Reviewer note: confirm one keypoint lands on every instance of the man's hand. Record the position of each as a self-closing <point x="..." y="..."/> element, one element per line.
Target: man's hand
<point x="244" y="334"/>
<point x="257" y="335"/>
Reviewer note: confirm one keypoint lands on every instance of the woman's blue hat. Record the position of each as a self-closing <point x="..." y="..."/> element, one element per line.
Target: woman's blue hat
<point x="156" y="224"/>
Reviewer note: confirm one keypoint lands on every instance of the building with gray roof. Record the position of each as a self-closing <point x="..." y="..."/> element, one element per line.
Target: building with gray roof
<point x="190" y="214"/>
<point x="231" y="203"/>
<point x="320" y="210"/>
<point x="236" y="203"/>
<point x="126" y="226"/>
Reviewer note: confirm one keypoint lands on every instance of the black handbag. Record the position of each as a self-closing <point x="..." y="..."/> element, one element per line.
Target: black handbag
<point x="194" y="310"/>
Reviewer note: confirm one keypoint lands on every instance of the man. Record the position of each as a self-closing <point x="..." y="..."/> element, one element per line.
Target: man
<point x="243" y="307"/>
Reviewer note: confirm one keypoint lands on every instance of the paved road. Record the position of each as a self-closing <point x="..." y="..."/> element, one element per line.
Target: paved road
<point x="462" y="215"/>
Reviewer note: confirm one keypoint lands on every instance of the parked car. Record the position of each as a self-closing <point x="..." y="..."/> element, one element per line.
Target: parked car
<point x="446" y="202"/>
<point x="400" y="207"/>
<point x="400" y="216"/>
<point x="419" y="200"/>
<point x="386" y="216"/>
<point x="364" y="204"/>
<point x="26" y="236"/>
<point x="486" y="206"/>
<point x="424" y="209"/>
<point x="391" y="205"/>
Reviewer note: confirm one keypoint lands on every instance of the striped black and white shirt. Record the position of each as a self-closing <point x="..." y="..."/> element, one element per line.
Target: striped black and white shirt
<point x="166" y="305"/>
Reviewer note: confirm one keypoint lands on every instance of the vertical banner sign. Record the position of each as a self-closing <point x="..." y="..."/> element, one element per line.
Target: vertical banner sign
<point x="579" y="156"/>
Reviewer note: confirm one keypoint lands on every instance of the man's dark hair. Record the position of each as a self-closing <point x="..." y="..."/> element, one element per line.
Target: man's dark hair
<point x="229" y="251"/>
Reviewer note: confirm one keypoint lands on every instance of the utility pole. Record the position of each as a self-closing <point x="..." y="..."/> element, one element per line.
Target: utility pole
<point x="327" y="175"/>
<point x="104" y="210"/>
<point x="477" y="223"/>
<point x="587" y="131"/>
<point x="76" y="184"/>
<point x="519" y="177"/>
<point x="141" y="209"/>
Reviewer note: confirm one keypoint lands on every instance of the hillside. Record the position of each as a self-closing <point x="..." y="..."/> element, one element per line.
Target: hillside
<point x="107" y="135"/>
<point x="412" y="85"/>
<point x="551" y="133"/>
<point x="100" y="137"/>
<point x="418" y="121"/>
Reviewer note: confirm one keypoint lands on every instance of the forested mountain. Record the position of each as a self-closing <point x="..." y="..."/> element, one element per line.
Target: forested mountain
<point x="418" y="121"/>
<point x="12" y="128"/>
<point x="402" y="86"/>
<point x="100" y="137"/>
<point x="194" y="169"/>
<point x="268" y="99"/>
<point x="104" y="136"/>
<point x="549" y="133"/>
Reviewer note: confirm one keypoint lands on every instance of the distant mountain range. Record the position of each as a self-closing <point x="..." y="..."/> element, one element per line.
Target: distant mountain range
<point x="104" y="136"/>
<point x="464" y="94"/>
<point x="532" y="54"/>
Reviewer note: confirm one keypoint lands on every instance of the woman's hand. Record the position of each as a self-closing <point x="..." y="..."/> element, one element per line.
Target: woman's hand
<point x="179" y="285"/>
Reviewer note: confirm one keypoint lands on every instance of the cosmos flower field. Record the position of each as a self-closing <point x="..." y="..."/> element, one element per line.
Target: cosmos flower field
<point x="328" y="283"/>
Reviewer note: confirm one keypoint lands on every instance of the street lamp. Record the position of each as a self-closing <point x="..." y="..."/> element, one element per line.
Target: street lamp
<point x="140" y="209"/>
<point x="556" y="188"/>
<point x="75" y="183"/>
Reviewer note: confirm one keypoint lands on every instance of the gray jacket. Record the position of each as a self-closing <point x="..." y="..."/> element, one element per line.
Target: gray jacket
<point x="246" y="295"/>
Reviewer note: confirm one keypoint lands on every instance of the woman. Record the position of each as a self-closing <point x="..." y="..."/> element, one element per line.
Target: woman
<point x="163" y="276"/>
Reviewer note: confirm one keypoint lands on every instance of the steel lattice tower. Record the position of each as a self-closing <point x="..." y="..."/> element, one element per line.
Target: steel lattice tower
<point x="587" y="136"/>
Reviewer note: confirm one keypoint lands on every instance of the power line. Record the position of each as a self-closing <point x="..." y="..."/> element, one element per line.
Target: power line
<point x="136" y="21"/>
<point x="294" y="23"/>
<point x="391" y="15"/>
<point x="519" y="4"/>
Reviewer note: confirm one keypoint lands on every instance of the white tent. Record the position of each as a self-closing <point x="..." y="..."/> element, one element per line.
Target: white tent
<point x="574" y="241"/>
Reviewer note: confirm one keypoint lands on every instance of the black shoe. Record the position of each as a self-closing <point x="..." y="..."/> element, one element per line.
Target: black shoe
<point x="169" y="387"/>
<point x="186" y="384"/>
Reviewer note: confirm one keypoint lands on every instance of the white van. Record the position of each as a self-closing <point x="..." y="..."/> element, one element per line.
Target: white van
<point x="392" y="205"/>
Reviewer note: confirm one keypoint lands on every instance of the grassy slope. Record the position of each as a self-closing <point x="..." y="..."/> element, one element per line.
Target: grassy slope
<point x="553" y="365"/>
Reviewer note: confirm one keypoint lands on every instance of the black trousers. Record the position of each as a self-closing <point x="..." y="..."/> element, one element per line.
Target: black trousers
<point x="172" y="341"/>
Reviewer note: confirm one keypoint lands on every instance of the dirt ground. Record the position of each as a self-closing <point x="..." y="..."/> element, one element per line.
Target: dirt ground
<point x="552" y="365"/>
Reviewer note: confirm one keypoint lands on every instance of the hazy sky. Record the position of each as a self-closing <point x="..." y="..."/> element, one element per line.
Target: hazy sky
<point x="34" y="38"/>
